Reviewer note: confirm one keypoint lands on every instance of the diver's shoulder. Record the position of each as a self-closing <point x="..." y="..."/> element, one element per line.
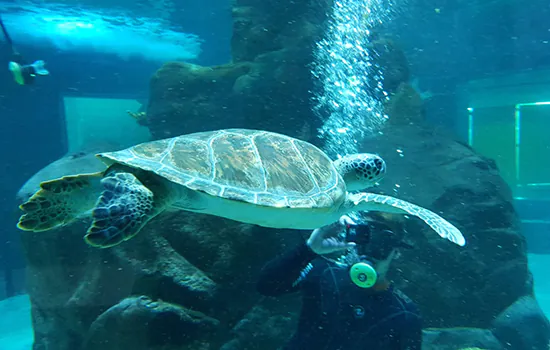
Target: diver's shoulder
<point x="398" y="294"/>
<point x="404" y="300"/>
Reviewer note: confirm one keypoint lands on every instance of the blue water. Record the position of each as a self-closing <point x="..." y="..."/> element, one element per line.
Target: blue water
<point x="15" y="324"/>
<point x="539" y="263"/>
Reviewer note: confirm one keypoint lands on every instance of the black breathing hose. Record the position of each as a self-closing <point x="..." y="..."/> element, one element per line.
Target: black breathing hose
<point x="6" y="34"/>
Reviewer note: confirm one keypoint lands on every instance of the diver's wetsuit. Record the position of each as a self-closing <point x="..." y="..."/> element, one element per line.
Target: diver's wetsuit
<point x="337" y="314"/>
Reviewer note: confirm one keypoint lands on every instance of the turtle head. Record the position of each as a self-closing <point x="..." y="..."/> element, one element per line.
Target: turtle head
<point x="360" y="170"/>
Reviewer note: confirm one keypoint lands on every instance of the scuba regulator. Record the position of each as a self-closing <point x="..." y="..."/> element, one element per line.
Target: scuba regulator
<point x="362" y="274"/>
<point x="377" y="242"/>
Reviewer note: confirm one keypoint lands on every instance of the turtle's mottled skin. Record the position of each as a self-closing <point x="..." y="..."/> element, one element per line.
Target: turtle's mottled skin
<point x="251" y="176"/>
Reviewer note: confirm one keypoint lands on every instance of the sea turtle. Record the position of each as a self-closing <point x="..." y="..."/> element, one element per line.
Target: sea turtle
<point x="251" y="176"/>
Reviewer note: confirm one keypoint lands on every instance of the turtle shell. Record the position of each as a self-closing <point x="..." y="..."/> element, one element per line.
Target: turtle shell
<point x="253" y="166"/>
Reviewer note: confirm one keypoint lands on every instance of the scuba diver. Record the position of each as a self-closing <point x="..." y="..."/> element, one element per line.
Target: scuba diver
<point x="23" y="74"/>
<point x="348" y="303"/>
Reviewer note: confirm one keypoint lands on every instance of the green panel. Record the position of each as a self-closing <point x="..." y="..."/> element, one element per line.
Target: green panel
<point x="102" y="123"/>
<point x="534" y="150"/>
<point x="492" y="132"/>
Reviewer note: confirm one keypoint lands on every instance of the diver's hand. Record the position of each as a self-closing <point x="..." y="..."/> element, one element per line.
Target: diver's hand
<point x="324" y="240"/>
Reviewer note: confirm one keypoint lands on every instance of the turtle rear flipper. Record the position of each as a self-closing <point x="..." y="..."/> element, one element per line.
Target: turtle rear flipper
<point x="125" y="206"/>
<point x="60" y="201"/>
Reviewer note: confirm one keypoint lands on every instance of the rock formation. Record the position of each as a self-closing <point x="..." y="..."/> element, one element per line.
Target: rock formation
<point x="265" y="86"/>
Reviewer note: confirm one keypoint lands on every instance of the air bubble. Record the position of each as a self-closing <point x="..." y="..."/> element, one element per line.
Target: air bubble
<point x="346" y="96"/>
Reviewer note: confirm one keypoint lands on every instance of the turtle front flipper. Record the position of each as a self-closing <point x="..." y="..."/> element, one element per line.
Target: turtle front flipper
<point x="60" y="201"/>
<point x="378" y="202"/>
<point x="124" y="207"/>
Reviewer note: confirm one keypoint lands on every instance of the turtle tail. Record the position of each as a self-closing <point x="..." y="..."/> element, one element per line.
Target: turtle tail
<point x="60" y="201"/>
